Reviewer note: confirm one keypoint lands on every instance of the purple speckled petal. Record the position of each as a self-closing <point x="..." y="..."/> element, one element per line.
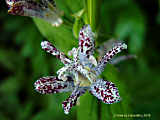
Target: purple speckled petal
<point x="105" y="91"/>
<point x="48" y="47"/>
<point x="71" y="100"/>
<point x="86" y="41"/>
<point x="108" y="56"/>
<point x="51" y="84"/>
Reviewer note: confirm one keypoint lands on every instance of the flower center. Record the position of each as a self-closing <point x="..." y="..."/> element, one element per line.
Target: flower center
<point x="86" y="79"/>
<point x="84" y="82"/>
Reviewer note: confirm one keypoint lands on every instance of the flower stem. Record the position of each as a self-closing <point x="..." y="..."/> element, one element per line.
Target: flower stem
<point x="93" y="12"/>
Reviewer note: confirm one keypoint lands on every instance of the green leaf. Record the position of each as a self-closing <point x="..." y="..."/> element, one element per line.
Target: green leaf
<point x="77" y="26"/>
<point x="62" y="37"/>
<point x="87" y="110"/>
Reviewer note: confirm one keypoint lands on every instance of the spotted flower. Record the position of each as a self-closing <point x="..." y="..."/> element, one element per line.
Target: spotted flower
<point x="81" y="73"/>
<point x="44" y="9"/>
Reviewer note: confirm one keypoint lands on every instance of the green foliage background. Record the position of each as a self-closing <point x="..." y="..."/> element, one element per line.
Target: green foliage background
<point x="22" y="61"/>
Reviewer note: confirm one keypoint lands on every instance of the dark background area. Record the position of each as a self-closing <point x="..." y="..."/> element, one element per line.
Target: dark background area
<point x="22" y="61"/>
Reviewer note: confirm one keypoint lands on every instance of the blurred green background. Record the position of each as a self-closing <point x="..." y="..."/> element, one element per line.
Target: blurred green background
<point x="22" y="62"/>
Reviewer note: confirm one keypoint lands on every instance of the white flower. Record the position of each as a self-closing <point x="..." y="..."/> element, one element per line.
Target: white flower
<point x="81" y="73"/>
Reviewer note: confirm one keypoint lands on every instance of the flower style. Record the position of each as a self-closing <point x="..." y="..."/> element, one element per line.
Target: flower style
<point x="44" y="9"/>
<point x="81" y="73"/>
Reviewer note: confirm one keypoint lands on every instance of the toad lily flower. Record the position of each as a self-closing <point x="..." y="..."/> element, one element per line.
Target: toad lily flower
<point x="44" y="9"/>
<point x="81" y="73"/>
